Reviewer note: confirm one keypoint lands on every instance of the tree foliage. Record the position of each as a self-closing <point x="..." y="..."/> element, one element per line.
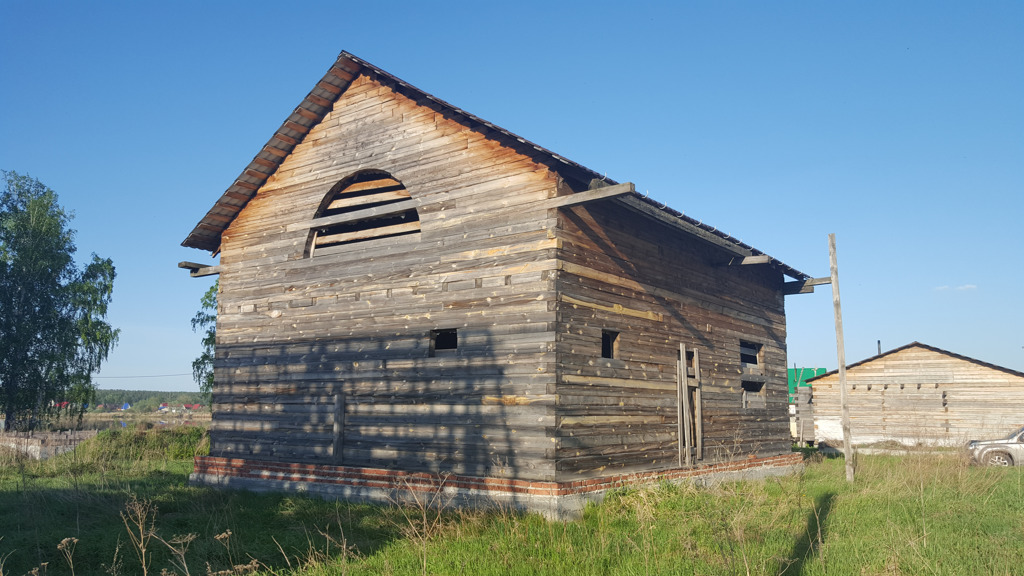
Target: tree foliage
<point x="206" y="320"/>
<point x="53" y="329"/>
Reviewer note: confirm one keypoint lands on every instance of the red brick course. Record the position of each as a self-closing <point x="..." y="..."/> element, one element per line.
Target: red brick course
<point x="423" y="482"/>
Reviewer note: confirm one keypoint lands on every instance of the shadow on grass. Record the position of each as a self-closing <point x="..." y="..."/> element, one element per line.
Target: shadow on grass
<point x="278" y="530"/>
<point x="813" y="538"/>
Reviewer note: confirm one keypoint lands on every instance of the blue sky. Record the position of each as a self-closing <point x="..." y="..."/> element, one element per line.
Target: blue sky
<point x="897" y="126"/>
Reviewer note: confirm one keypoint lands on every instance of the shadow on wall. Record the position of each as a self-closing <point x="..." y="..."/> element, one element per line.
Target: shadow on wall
<point x="399" y="404"/>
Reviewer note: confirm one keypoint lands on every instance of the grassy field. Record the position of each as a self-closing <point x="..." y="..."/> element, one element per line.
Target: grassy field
<point x="119" y="504"/>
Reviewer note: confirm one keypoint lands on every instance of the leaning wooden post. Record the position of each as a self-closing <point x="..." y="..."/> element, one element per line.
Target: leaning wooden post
<point x="841" y="352"/>
<point x="683" y="390"/>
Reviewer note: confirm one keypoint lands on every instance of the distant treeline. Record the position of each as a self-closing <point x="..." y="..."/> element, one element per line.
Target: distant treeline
<point x="146" y="400"/>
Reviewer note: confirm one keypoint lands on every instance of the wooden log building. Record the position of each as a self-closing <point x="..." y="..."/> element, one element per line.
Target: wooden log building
<point x="919" y="395"/>
<point x="412" y="298"/>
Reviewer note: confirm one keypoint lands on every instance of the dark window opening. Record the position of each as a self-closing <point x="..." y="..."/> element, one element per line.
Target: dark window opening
<point x="754" y="394"/>
<point x="364" y="190"/>
<point x="609" y="344"/>
<point x="444" y="341"/>
<point x="750" y="353"/>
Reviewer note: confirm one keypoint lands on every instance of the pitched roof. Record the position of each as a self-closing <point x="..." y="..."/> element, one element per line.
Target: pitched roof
<point x="926" y="347"/>
<point x="320" y="100"/>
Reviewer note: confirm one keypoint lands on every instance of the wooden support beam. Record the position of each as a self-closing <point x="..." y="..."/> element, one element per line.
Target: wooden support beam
<point x="199" y="270"/>
<point x="591" y="195"/>
<point x="750" y="260"/>
<point x="804" y="286"/>
<point x="405" y="205"/>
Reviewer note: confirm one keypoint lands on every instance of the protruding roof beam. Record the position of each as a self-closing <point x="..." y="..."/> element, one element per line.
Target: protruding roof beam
<point x="198" y="270"/>
<point x="804" y="286"/>
<point x="750" y="260"/>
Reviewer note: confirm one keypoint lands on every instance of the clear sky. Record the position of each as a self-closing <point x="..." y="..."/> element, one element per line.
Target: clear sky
<point x="897" y="126"/>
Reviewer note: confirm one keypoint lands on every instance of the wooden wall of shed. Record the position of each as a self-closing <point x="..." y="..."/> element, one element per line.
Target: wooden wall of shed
<point x="332" y="351"/>
<point x="919" y="396"/>
<point x="658" y="288"/>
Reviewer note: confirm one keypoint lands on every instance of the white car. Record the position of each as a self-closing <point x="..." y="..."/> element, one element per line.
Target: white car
<point x="1007" y="451"/>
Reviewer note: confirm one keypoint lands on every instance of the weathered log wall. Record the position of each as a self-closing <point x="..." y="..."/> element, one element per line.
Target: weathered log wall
<point x="658" y="288"/>
<point x="330" y="355"/>
<point x="327" y="358"/>
<point x="918" y="395"/>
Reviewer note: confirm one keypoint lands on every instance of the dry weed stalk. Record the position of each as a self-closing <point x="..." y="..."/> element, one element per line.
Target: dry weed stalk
<point x="3" y="560"/>
<point x="286" y="559"/>
<point x="114" y="569"/>
<point x="138" y="517"/>
<point x="643" y="501"/>
<point x="236" y="570"/>
<point x="178" y="546"/>
<point x="423" y="516"/>
<point x="225" y="540"/>
<point x="67" y="549"/>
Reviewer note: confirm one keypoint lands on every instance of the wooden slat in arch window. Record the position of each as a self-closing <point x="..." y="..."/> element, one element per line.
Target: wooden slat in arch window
<point x="362" y="190"/>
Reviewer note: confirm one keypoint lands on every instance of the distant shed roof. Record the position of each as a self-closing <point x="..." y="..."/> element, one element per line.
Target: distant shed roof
<point x="926" y="347"/>
<point x="314" y="107"/>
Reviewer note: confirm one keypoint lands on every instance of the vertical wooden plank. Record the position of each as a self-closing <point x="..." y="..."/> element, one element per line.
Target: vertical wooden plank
<point x="685" y="422"/>
<point x="698" y="415"/>
<point x="338" y="447"/>
<point x="680" y="434"/>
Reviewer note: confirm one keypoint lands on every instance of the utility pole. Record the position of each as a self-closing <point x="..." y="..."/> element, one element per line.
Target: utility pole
<point x="841" y="353"/>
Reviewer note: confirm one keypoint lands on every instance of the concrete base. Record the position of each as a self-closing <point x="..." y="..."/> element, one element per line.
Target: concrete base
<point x="553" y="500"/>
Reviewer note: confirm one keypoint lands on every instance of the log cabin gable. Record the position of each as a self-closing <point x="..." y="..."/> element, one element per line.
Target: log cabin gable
<point x="304" y="125"/>
<point x="382" y="166"/>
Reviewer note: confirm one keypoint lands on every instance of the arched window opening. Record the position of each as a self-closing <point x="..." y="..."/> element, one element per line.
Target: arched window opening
<point x="357" y="209"/>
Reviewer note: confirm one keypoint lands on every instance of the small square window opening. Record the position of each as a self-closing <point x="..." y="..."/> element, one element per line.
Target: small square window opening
<point x="444" y="341"/>
<point x="754" y="394"/>
<point x="750" y="353"/>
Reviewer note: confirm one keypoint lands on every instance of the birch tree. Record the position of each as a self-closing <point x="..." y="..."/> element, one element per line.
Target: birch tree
<point x="53" y="329"/>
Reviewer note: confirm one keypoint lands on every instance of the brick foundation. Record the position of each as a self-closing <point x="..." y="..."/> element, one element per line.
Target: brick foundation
<point x="556" y="500"/>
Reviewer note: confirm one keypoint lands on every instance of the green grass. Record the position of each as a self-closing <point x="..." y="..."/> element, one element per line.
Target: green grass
<point x="911" y="514"/>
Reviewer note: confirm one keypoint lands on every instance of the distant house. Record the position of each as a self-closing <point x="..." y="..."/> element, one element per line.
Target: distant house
<point x="412" y="295"/>
<point x="919" y="394"/>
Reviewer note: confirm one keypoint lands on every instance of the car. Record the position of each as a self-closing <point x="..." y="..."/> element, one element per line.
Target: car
<point x="1008" y="451"/>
